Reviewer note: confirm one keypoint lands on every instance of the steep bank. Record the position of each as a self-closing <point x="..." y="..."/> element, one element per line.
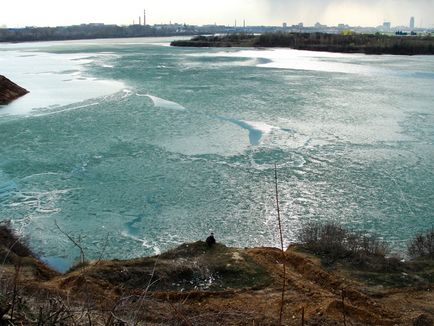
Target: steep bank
<point x="199" y="285"/>
<point x="9" y="91"/>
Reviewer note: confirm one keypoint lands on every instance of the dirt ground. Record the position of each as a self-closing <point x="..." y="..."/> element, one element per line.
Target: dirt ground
<point x="199" y="285"/>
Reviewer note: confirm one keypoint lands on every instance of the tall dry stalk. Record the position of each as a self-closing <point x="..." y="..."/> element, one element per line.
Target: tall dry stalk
<point x="302" y="316"/>
<point x="145" y="291"/>
<point x="15" y="288"/>
<point x="282" y="301"/>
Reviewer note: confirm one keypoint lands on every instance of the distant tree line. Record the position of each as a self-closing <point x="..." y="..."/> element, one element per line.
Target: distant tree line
<point x="91" y="31"/>
<point x="347" y="43"/>
<point x="229" y="40"/>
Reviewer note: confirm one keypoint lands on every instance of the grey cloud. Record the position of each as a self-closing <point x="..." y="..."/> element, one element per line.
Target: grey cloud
<point x="312" y="10"/>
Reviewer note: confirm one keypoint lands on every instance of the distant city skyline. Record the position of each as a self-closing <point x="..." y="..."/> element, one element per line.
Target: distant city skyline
<point x="21" y="13"/>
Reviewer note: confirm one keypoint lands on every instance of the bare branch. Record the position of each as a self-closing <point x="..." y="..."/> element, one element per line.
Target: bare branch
<point x="73" y="241"/>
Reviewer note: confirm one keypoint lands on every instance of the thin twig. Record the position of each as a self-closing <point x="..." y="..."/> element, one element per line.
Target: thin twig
<point x="143" y="296"/>
<point x="9" y="250"/>
<point x="73" y="241"/>
<point x="14" y="294"/>
<point x="302" y="316"/>
<point x="103" y="249"/>
<point x="180" y="315"/>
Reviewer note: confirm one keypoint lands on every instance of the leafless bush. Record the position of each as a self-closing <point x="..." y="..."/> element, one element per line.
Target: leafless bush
<point x="336" y="242"/>
<point x="12" y="242"/>
<point x="55" y="312"/>
<point x="422" y="245"/>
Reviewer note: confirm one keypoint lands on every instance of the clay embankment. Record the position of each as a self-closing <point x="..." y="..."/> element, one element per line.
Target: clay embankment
<point x="9" y="91"/>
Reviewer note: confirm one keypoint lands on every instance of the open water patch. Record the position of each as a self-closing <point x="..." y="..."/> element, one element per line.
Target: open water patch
<point x="172" y="155"/>
<point x="297" y="60"/>
<point x="7" y="189"/>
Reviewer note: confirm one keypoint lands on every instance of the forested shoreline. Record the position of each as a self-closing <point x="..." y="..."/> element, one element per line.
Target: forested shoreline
<point x="352" y="43"/>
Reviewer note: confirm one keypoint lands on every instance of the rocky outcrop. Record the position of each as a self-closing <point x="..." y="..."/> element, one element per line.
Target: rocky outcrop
<point x="10" y="91"/>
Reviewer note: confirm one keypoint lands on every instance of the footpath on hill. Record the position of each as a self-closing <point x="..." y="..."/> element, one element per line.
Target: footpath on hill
<point x="198" y="284"/>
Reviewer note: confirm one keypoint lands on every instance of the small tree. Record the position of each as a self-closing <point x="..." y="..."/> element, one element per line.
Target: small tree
<point x="336" y="242"/>
<point x="422" y="245"/>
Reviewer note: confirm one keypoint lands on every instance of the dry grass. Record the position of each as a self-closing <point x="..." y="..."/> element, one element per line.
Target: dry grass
<point x="247" y="291"/>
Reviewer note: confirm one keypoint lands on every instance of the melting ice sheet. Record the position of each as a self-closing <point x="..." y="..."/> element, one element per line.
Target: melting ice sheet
<point x="56" y="79"/>
<point x="191" y="148"/>
<point x="299" y="60"/>
<point x="256" y="129"/>
<point x="162" y="103"/>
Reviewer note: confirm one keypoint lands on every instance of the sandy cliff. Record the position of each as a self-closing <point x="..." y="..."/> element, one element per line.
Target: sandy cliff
<point x="199" y="285"/>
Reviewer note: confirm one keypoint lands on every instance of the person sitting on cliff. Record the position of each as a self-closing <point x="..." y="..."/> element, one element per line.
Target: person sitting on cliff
<point x="210" y="240"/>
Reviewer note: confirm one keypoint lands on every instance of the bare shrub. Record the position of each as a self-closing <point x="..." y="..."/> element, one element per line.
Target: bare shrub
<point x="422" y="245"/>
<point x="324" y="239"/>
<point x="12" y="242"/>
<point x="335" y="242"/>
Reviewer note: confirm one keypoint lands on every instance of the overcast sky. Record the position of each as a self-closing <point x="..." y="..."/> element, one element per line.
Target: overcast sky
<point x="19" y="13"/>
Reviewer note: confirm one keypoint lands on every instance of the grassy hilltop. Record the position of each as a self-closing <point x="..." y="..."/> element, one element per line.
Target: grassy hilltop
<point x="354" y="43"/>
<point x="334" y="275"/>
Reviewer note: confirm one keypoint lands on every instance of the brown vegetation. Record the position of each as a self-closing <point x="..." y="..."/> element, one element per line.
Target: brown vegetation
<point x="334" y="243"/>
<point x="195" y="284"/>
<point x="422" y="245"/>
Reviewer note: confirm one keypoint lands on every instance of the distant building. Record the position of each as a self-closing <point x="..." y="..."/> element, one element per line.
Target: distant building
<point x="412" y="23"/>
<point x="284" y="25"/>
<point x="93" y="24"/>
<point x="386" y="26"/>
<point x="343" y="26"/>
